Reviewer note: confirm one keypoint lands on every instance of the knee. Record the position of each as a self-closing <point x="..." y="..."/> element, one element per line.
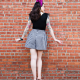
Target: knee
<point x="39" y="58"/>
<point x="34" y="57"/>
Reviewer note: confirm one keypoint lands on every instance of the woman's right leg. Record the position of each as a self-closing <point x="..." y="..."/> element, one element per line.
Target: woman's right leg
<point x="39" y="62"/>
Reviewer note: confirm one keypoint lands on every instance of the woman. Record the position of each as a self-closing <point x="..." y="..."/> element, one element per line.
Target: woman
<point x="37" y="39"/>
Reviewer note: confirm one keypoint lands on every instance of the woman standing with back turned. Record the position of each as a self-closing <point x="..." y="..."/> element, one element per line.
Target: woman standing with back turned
<point x="37" y="39"/>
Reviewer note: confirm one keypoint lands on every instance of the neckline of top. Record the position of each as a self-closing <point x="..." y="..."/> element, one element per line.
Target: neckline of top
<point x="42" y="14"/>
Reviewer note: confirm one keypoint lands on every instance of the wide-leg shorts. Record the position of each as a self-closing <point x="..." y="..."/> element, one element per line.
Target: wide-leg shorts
<point x="37" y="39"/>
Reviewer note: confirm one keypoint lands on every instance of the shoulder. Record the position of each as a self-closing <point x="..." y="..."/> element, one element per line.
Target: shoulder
<point x="47" y="13"/>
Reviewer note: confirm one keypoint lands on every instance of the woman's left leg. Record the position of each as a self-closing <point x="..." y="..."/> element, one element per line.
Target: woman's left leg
<point x="33" y="61"/>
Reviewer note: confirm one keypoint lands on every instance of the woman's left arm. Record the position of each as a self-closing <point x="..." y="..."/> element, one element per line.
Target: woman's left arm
<point x="27" y="27"/>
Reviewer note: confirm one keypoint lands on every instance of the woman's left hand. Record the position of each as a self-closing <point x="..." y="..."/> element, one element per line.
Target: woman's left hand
<point x="17" y="39"/>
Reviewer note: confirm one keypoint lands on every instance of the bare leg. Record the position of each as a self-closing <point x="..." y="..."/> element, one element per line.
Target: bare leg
<point x="39" y="63"/>
<point x="33" y="61"/>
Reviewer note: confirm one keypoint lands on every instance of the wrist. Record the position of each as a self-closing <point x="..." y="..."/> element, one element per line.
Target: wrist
<point x="21" y="38"/>
<point x="55" y="39"/>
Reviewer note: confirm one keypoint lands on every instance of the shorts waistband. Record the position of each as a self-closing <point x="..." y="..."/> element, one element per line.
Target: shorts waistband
<point x="39" y="29"/>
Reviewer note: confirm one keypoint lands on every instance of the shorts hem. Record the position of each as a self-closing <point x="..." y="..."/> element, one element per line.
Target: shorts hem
<point x="35" y="48"/>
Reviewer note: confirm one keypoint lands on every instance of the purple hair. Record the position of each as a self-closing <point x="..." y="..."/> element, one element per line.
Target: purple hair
<point x="40" y="1"/>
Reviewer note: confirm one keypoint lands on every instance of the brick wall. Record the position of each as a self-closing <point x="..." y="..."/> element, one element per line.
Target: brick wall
<point x="60" y="62"/>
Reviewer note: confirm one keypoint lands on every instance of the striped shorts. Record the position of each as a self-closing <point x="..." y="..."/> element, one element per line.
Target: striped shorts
<point x="37" y="39"/>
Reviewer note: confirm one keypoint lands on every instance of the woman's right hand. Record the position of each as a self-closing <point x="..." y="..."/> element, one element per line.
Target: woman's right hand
<point x="59" y="41"/>
<point x="17" y="39"/>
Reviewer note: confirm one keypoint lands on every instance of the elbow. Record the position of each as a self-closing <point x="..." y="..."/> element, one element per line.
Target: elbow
<point x="50" y="29"/>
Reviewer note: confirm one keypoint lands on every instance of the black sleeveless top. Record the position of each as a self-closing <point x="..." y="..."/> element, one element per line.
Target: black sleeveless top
<point x="41" y="22"/>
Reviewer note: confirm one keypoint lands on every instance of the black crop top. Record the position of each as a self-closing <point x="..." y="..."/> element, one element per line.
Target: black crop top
<point x="41" y="22"/>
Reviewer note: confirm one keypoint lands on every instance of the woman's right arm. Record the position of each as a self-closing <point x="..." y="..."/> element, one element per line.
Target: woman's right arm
<point x="51" y="30"/>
